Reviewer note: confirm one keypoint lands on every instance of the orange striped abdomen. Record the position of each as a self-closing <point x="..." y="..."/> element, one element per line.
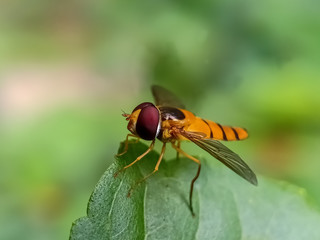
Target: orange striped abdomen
<point x="226" y="133"/>
<point x="216" y="131"/>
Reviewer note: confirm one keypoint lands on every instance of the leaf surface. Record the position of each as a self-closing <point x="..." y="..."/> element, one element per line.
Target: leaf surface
<point x="226" y="206"/>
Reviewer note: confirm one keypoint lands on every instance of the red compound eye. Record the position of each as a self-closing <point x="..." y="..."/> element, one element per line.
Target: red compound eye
<point x="148" y="121"/>
<point x="142" y="105"/>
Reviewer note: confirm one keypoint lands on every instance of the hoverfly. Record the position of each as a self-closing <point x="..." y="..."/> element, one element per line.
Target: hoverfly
<point x="168" y="121"/>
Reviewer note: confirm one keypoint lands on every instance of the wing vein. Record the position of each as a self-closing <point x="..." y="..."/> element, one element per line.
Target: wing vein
<point x="224" y="155"/>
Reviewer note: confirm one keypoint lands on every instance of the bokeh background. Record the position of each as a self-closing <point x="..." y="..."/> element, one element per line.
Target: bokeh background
<point x="68" y="68"/>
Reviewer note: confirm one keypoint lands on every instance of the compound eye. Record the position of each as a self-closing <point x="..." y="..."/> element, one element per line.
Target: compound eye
<point x="142" y="105"/>
<point x="148" y="122"/>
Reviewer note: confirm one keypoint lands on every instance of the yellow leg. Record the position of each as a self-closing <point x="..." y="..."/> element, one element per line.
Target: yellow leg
<point x="155" y="169"/>
<point x="137" y="159"/>
<point x="126" y="144"/>
<point x="185" y="154"/>
<point x="194" y="179"/>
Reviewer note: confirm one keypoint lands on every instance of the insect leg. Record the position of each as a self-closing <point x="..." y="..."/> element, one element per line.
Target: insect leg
<point x="194" y="179"/>
<point x="126" y="144"/>
<point x="155" y="169"/>
<point x="178" y="146"/>
<point x="191" y="188"/>
<point x="137" y="159"/>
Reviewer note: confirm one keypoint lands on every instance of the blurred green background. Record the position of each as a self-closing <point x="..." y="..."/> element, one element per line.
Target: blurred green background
<point x="67" y="68"/>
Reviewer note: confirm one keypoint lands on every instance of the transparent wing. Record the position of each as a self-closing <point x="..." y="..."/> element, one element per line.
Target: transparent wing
<point x="224" y="155"/>
<point x="164" y="97"/>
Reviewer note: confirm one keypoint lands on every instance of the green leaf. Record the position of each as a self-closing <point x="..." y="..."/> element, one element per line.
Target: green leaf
<point x="226" y="206"/>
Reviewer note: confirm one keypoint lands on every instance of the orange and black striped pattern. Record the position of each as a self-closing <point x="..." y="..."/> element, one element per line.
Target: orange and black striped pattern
<point x="227" y="133"/>
<point x="212" y="129"/>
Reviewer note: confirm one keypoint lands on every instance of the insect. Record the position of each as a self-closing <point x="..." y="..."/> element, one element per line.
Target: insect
<point x="170" y="122"/>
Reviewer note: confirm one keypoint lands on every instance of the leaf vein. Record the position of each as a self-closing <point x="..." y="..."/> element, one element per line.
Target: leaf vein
<point x="114" y="198"/>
